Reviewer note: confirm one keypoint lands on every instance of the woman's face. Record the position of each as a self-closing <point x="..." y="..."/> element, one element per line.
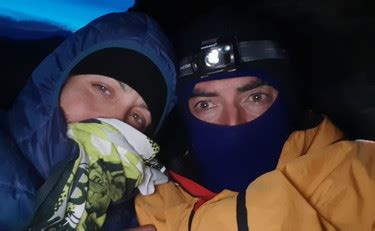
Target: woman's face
<point x="96" y="96"/>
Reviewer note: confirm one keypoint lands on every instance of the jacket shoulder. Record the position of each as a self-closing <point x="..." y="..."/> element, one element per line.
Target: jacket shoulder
<point x="19" y="183"/>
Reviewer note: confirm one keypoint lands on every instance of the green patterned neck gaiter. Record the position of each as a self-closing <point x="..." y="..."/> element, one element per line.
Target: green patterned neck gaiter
<point x="114" y="161"/>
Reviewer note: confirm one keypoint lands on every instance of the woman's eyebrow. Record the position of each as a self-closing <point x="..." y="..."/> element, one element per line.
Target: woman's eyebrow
<point x="202" y="93"/>
<point x="124" y="86"/>
<point x="250" y="86"/>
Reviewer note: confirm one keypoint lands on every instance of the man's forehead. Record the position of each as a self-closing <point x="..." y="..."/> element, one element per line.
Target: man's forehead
<point x="235" y="82"/>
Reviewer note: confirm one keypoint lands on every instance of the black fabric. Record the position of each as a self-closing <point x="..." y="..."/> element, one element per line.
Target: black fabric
<point x="131" y="68"/>
<point x="121" y="216"/>
<point x="242" y="223"/>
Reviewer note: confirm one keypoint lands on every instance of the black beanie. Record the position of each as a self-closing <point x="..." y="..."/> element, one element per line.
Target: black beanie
<point x="131" y="68"/>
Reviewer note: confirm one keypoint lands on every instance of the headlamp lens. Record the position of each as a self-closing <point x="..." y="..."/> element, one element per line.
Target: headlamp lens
<point x="212" y="58"/>
<point x="218" y="58"/>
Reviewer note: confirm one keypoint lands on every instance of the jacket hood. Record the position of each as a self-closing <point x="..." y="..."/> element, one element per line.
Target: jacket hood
<point x="32" y="117"/>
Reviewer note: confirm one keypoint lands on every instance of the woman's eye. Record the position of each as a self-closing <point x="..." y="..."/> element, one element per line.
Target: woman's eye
<point x="139" y="120"/>
<point x="103" y="89"/>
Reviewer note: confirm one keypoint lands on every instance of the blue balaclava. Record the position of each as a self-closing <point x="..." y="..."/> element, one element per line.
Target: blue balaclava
<point x="231" y="157"/>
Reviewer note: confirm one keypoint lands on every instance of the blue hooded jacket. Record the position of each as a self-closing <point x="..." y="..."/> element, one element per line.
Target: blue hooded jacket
<point x="33" y="140"/>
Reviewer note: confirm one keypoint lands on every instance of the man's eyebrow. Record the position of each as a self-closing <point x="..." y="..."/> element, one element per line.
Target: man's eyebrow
<point x="201" y="93"/>
<point x="250" y="86"/>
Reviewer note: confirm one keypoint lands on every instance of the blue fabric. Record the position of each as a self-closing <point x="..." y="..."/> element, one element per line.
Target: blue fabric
<point x="35" y="129"/>
<point x="19" y="183"/>
<point x="231" y="157"/>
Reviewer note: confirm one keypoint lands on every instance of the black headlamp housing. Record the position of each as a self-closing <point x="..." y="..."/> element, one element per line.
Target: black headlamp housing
<point x="226" y="55"/>
<point x="216" y="55"/>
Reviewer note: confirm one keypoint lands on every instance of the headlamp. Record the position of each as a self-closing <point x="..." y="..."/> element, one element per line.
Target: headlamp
<point x="218" y="55"/>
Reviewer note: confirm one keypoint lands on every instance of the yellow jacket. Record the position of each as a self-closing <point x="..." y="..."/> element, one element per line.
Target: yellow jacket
<point x="320" y="183"/>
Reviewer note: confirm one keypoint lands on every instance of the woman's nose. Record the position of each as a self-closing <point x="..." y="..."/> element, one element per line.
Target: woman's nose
<point x="117" y="112"/>
<point x="121" y="109"/>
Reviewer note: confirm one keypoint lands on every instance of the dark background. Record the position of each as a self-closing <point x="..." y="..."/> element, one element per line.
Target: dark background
<point x="332" y="43"/>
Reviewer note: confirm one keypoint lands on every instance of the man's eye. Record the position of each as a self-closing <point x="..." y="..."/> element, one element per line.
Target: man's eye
<point x="203" y="105"/>
<point x="258" y="98"/>
<point x="103" y="89"/>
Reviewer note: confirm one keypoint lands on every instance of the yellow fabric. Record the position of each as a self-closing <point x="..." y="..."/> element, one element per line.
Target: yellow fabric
<point x="320" y="183"/>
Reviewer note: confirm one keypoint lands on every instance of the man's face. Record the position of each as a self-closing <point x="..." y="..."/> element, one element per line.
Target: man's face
<point x="231" y="101"/>
<point x="93" y="96"/>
